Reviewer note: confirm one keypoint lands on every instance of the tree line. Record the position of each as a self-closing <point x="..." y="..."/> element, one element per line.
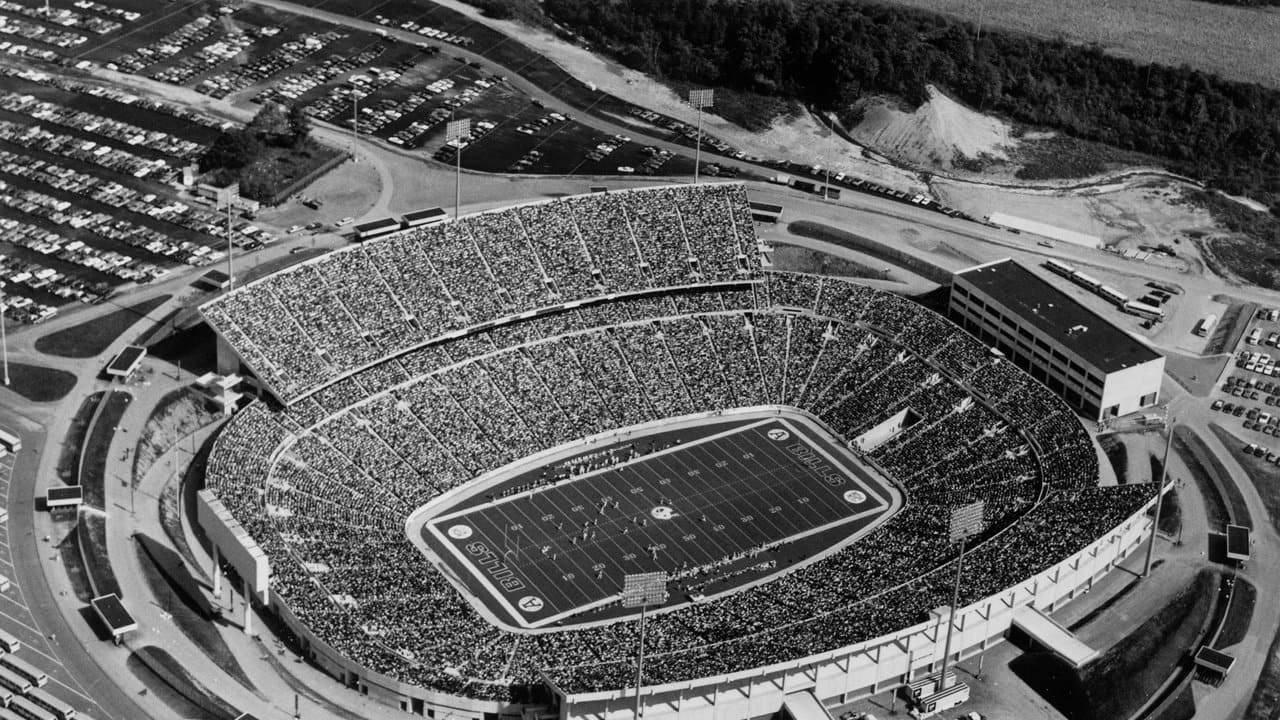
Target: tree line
<point x="829" y="53"/>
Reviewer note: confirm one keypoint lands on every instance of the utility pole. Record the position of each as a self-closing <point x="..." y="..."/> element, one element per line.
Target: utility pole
<point x="700" y="99"/>
<point x="454" y="134"/>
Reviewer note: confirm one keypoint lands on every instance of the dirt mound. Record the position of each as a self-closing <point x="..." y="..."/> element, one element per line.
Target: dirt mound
<point x="934" y="134"/>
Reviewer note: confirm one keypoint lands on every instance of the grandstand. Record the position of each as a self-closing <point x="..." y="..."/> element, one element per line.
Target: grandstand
<point x="406" y="368"/>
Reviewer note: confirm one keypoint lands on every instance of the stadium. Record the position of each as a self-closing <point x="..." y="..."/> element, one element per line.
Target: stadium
<point x="470" y="433"/>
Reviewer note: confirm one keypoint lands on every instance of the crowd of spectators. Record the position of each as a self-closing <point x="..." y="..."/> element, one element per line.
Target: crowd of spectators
<point x="321" y="320"/>
<point x="326" y="484"/>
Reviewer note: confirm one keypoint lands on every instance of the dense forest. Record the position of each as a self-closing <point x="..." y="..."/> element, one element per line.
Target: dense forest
<point x="829" y="53"/>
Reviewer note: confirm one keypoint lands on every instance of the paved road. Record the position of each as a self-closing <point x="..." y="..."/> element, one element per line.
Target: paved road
<point x="53" y="639"/>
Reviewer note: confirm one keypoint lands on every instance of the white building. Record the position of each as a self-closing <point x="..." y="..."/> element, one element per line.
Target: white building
<point x="1099" y="369"/>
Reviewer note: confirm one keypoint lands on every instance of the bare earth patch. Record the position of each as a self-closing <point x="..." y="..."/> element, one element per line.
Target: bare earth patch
<point x="934" y="134"/>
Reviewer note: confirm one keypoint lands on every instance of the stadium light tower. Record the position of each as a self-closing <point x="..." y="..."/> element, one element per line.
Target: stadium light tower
<point x="641" y="590"/>
<point x="355" y="123"/>
<point x="226" y="200"/>
<point x="1164" y="474"/>
<point x="700" y="99"/>
<point x="454" y="132"/>
<point x="966" y="521"/>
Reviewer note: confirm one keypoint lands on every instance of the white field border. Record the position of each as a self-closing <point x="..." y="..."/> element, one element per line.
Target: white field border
<point x="815" y="438"/>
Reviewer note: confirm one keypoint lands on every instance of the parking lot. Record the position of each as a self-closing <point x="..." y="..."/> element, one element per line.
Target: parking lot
<point x="1250" y="393"/>
<point x="16" y="618"/>
<point x="87" y="193"/>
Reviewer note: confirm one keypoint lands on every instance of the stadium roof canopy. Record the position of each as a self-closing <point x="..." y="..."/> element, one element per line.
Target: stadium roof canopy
<point x="1059" y="316"/>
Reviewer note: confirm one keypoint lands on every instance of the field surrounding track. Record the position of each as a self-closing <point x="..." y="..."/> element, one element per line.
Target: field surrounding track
<point x="1237" y="43"/>
<point x="714" y="511"/>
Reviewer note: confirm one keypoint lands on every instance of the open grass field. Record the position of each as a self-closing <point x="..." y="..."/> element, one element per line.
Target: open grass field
<point x="714" y="512"/>
<point x="93" y="336"/>
<point x="1237" y="43"/>
<point x="1121" y="679"/>
<point x="40" y="384"/>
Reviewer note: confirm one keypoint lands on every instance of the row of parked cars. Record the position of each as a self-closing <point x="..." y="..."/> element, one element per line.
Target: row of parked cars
<point x="1264" y="453"/>
<point x="38" y="276"/>
<point x="269" y="65"/>
<point x="204" y="59"/>
<point x="427" y="31"/>
<point x="192" y="32"/>
<point x="92" y="124"/>
<point x="35" y="32"/>
<point x="1258" y="362"/>
<point x="290" y="88"/>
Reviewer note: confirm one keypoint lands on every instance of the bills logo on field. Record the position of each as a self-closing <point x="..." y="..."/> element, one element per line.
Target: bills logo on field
<point x="778" y="434"/>
<point x="459" y="532"/>
<point x="530" y="603"/>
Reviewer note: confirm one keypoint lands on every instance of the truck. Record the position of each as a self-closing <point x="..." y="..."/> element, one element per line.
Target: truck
<point x="1204" y="325"/>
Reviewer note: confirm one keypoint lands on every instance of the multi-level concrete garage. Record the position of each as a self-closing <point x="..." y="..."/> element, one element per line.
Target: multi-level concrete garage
<point x="1099" y="369"/>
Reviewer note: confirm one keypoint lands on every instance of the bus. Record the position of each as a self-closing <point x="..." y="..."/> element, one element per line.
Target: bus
<point x="46" y="700"/>
<point x="1112" y="294"/>
<point x="27" y="709"/>
<point x="1143" y="310"/>
<point x="9" y="441"/>
<point x="1059" y="268"/>
<point x="6" y="714"/>
<point x="24" y="669"/>
<point x="1205" y="325"/>
<point x="13" y="681"/>
<point x="8" y="642"/>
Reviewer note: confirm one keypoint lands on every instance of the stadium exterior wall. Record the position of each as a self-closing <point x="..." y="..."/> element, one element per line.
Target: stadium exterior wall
<point x="874" y="666"/>
<point x="388" y="691"/>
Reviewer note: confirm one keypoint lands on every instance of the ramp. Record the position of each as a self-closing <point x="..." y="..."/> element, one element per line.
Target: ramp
<point x="1045" y="631"/>
<point x="804" y="706"/>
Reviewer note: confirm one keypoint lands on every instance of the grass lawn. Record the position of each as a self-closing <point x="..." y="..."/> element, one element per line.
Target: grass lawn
<point x="1230" y="328"/>
<point x="1123" y="678"/>
<point x="93" y="463"/>
<point x="1234" y="42"/>
<point x="170" y="670"/>
<point x="91" y="337"/>
<point x="1195" y="374"/>
<point x="92" y="527"/>
<point x="1117" y="455"/>
<point x="801" y="259"/>
<point x="877" y="250"/>
<point x="1170" y="513"/>
<point x="40" y="384"/>
<point x="1223" y="499"/>
<point x="188" y="620"/>
<point x="1235" y="628"/>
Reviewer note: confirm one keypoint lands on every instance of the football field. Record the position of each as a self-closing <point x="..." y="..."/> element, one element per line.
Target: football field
<point x="714" y="513"/>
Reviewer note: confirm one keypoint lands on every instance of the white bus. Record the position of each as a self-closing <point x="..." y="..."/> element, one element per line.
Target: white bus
<point x="24" y="669"/>
<point x="13" y="681"/>
<point x="9" y="441"/>
<point x="44" y="699"/>
<point x="8" y="642"/>
<point x="1143" y="310"/>
<point x="27" y="709"/>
